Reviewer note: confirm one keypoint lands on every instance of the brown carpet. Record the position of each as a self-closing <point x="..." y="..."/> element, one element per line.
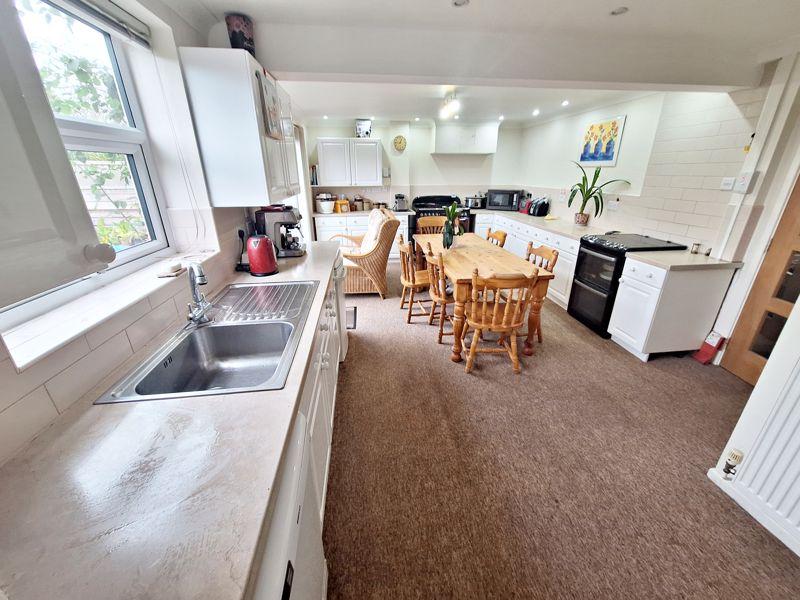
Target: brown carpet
<point x="583" y="477"/>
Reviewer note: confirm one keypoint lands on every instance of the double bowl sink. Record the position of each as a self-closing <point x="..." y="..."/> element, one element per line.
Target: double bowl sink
<point x="249" y="345"/>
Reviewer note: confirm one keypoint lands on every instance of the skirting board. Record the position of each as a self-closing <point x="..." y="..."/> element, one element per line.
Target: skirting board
<point x="640" y="355"/>
<point x="790" y="537"/>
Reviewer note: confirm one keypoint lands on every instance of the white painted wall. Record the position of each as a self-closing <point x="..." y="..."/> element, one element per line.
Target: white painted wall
<point x="549" y="149"/>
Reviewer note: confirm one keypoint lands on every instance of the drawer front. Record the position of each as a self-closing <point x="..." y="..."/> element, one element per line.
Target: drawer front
<point x="484" y="219"/>
<point x="328" y="222"/>
<point x="645" y="273"/>
<point x="563" y="244"/>
<point x="358" y="220"/>
<point x="325" y="234"/>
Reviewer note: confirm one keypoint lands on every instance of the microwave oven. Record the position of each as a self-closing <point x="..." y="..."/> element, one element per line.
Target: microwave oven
<point x="504" y="199"/>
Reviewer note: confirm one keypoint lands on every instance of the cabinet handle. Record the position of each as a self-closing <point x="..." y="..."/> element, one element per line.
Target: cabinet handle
<point x="329" y="304"/>
<point x="324" y="327"/>
<point x="622" y="280"/>
<point x="633" y="269"/>
<point x="649" y="275"/>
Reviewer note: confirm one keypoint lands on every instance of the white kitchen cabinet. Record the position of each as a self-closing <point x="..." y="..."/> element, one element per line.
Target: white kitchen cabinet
<point x="289" y="149"/>
<point x="334" y="161"/>
<point x="328" y="226"/>
<point x="661" y="310"/>
<point x="464" y="138"/>
<point x="241" y="120"/>
<point x="561" y="285"/>
<point x="295" y="530"/>
<point x="350" y="162"/>
<point x="634" y="306"/>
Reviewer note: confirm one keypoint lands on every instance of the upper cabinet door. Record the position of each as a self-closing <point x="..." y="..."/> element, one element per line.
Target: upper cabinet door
<point x="46" y="235"/>
<point x="274" y="141"/>
<point x="367" y="162"/>
<point x="334" y="161"/>
<point x="289" y="148"/>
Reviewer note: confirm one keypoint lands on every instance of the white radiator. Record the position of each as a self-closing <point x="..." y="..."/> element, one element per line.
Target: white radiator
<point x="767" y="483"/>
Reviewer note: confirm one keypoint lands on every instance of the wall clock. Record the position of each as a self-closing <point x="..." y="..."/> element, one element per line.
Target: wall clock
<point x="399" y="143"/>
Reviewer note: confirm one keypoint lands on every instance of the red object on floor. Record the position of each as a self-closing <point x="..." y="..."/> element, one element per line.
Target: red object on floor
<point x="709" y="349"/>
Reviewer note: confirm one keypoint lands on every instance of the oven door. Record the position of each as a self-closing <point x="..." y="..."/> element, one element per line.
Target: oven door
<point x="596" y="269"/>
<point x="590" y="306"/>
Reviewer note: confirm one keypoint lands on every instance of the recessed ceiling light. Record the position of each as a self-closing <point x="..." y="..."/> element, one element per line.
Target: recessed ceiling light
<point x="621" y="10"/>
<point x="372" y="118"/>
<point x="416" y="118"/>
<point x="325" y="117"/>
<point x="565" y="103"/>
<point x="456" y="117"/>
<point x="501" y="118"/>
<point x="535" y="112"/>
<point x="458" y="3"/>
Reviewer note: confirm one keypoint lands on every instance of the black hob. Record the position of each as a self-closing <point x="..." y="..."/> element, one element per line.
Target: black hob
<point x="620" y="243"/>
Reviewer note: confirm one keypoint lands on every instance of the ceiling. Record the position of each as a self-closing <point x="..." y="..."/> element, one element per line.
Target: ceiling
<point x="707" y="43"/>
<point x="402" y="102"/>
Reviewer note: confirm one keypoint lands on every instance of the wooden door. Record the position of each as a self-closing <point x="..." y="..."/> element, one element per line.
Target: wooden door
<point x="772" y="298"/>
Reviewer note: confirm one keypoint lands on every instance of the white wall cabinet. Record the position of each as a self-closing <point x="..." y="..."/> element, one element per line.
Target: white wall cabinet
<point x="242" y="119"/>
<point x="350" y="161"/>
<point x="659" y="310"/>
<point x="328" y="226"/>
<point x="464" y="138"/>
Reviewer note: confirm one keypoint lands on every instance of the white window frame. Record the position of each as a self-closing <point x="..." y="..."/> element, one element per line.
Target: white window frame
<point x="80" y="134"/>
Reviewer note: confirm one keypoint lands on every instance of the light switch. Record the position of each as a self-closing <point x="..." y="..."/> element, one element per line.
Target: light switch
<point x="727" y="184"/>
<point x="744" y="182"/>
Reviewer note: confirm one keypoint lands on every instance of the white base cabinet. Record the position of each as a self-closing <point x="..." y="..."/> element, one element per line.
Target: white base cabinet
<point x="328" y="226"/>
<point x="659" y="310"/>
<point x="520" y="234"/>
<point x="295" y="530"/>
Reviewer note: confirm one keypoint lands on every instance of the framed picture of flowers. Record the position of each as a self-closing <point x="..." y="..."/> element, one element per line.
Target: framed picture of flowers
<point x="601" y="143"/>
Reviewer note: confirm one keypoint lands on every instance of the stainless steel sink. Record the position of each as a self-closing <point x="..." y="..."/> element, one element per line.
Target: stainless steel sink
<point x="248" y="346"/>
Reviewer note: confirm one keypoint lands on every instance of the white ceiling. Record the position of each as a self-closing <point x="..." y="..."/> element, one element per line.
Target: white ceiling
<point x="401" y="102"/>
<point x="709" y="43"/>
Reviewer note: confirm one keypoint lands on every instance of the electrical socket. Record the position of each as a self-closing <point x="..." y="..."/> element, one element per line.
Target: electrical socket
<point x="613" y="206"/>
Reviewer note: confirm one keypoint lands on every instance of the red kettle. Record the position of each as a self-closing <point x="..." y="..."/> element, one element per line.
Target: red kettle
<point x="261" y="256"/>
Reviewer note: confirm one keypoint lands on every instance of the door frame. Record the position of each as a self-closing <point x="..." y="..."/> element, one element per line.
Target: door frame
<point x="738" y="359"/>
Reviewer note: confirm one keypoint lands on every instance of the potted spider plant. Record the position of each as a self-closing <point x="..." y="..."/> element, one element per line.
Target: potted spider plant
<point x="589" y="191"/>
<point x="452" y="227"/>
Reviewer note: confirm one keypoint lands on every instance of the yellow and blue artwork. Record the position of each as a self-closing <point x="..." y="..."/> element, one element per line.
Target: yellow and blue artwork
<point x="601" y="143"/>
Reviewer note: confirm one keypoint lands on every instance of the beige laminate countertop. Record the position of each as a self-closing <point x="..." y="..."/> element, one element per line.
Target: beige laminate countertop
<point x="681" y="260"/>
<point x="158" y="499"/>
<point x="358" y="213"/>
<point x="557" y="226"/>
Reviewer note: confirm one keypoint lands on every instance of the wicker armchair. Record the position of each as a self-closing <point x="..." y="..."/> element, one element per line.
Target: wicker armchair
<point x="366" y="267"/>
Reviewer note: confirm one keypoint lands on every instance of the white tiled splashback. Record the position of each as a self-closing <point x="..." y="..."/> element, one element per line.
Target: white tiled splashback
<point x="700" y="139"/>
<point x="32" y="399"/>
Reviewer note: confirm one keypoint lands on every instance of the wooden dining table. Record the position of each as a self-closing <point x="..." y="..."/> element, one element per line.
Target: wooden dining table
<point x="469" y="252"/>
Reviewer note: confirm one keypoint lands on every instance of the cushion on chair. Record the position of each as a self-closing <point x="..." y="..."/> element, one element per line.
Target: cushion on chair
<point x="376" y="219"/>
<point x="348" y="263"/>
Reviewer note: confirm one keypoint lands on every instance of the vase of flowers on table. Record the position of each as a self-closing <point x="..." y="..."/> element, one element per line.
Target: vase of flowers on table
<point x="452" y="226"/>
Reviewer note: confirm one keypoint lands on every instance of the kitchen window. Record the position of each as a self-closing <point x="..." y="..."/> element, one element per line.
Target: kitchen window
<point x="87" y="84"/>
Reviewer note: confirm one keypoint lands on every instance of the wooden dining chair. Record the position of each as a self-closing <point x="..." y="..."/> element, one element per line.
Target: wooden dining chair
<point x="542" y="256"/>
<point x="545" y="258"/>
<point x="438" y="292"/>
<point x="500" y="304"/>
<point x="430" y="224"/>
<point x="413" y="280"/>
<point x="498" y="238"/>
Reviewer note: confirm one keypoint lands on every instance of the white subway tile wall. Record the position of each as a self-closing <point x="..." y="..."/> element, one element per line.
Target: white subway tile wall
<point x="32" y="399"/>
<point x="700" y="139"/>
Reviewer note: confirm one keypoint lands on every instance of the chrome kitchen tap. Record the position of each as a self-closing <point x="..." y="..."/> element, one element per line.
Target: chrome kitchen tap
<point x="199" y="306"/>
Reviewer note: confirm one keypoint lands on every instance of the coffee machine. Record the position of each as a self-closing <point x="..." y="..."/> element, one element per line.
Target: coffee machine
<point x="282" y="224"/>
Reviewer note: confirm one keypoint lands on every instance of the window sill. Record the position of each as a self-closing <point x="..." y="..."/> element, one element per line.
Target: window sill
<point x="29" y="342"/>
